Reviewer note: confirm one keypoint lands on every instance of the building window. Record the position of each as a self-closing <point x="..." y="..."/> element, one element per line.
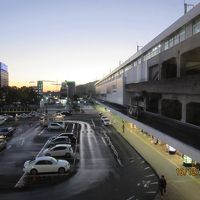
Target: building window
<point x="171" y="43"/>
<point x="166" y="45"/>
<point x="196" y="27"/>
<point x="176" y="39"/>
<point x="182" y="35"/>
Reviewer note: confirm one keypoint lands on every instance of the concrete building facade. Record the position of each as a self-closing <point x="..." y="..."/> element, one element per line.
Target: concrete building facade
<point x="164" y="76"/>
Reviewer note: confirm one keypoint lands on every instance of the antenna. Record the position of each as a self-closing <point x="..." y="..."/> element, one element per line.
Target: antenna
<point x="186" y="6"/>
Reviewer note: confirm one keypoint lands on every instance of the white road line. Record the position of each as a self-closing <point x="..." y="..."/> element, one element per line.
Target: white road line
<point x="142" y="161"/>
<point x="22" y="142"/>
<point x="93" y="123"/>
<point x="120" y="163"/>
<point x="20" y="183"/>
<point x="151" y="192"/>
<point x="154" y="183"/>
<point x="150" y="175"/>
<point x="41" y="132"/>
<point x="146" y="168"/>
<point x="104" y="141"/>
<point x="131" y="197"/>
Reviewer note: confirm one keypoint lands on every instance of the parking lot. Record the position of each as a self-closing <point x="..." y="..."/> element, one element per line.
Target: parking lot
<point x="102" y="161"/>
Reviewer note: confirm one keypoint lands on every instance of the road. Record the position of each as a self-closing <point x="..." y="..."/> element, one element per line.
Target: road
<point x="100" y="175"/>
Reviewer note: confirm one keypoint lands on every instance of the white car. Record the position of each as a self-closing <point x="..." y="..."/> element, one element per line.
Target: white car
<point x="56" y="126"/>
<point x="58" y="140"/>
<point x="58" y="116"/>
<point x="106" y="122"/>
<point x="59" y="150"/>
<point x="46" y="164"/>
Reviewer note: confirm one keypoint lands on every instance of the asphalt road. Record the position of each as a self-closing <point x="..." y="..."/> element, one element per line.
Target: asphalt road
<point x="99" y="174"/>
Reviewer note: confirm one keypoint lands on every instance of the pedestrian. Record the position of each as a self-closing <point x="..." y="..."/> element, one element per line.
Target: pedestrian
<point x="162" y="185"/>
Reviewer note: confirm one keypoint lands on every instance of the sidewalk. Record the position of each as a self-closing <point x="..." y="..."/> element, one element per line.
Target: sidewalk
<point x="179" y="187"/>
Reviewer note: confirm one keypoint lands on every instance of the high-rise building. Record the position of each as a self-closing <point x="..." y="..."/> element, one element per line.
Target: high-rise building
<point x="3" y="75"/>
<point x="40" y="87"/>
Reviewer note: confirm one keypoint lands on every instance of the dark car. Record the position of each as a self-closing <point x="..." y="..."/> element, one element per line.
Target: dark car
<point x="7" y="131"/>
<point x="66" y="113"/>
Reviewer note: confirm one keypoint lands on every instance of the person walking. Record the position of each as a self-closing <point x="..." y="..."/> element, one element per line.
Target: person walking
<point x="163" y="185"/>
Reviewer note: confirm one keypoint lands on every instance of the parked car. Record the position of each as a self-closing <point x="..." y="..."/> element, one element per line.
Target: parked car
<point x="7" y="131"/>
<point x="106" y="122"/>
<point x="3" y="142"/>
<point x="66" y="113"/>
<point x="58" y="116"/>
<point x="59" y="150"/>
<point x="70" y="135"/>
<point x="58" y="140"/>
<point x="46" y="164"/>
<point x="55" y="126"/>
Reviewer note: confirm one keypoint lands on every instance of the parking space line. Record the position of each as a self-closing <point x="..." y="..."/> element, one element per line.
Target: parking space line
<point x="41" y="131"/>
<point x="22" y="142"/>
<point x="93" y="123"/>
<point x="131" y="197"/>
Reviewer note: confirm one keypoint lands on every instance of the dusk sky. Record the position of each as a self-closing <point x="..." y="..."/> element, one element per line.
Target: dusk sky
<point x="77" y="40"/>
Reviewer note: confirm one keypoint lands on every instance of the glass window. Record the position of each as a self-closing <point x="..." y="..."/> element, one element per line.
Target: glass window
<point x="196" y="27"/>
<point x="176" y="39"/>
<point x="166" y="45"/>
<point x="171" y="43"/>
<point x="182" y="35"/>
<point x="139" y="61"/>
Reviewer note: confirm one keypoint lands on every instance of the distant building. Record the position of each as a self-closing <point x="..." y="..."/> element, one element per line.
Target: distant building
<point x="87" y="89"/>
<point x="67" y="89"/>
<point x="71" y="89"/>
<point x="3" y="75"/>
<point x="40" y="87"/>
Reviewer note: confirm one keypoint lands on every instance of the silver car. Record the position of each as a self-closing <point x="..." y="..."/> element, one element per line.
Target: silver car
<point x="59" y="150"/>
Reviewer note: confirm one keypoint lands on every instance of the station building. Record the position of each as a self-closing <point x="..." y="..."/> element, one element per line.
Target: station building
<point x="164" y="76"/>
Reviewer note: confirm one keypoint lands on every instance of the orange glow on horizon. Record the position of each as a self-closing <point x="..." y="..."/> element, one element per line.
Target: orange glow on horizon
<point x="46" y="86"/>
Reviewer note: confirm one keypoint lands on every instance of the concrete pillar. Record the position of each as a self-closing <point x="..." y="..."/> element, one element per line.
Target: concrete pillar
<point x="159" y="106"/>
<point x="178" y="61"/>
<point x="183" y="113"/>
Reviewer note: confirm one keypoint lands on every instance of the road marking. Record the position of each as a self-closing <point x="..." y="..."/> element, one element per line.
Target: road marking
<point x="154" y="183"/>
<point x="131" y="197"/>
<point x="104" y="141"/>
<point x="120" y="162"/>
<point x="146" y="168"/>
<point x="8" y="147"/>
<point x="150" y="175"/>
<point x="22" y="142"/>
<point x="151" y="192"/>
<point x="20" y="183"/>
<point x="93" y="123"/>
<point x="142" y="161"/>
<point x="42" y="131"/>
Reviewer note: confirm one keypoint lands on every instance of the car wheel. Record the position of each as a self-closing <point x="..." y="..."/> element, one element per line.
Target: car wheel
<point x="68" y="155"/>
<point x="61" y="170"/>
<point x="33" y="172"/>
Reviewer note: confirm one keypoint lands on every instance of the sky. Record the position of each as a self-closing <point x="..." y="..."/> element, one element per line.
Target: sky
<point x="77" y="40"/>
